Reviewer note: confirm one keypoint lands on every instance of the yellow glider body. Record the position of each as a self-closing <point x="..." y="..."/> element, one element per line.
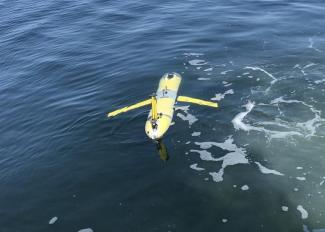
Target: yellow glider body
<point x="166" y="97"/>
<point x="162" y="106"/>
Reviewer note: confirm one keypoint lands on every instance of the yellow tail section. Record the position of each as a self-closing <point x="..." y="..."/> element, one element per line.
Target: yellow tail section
<point x="197" y="101"/>
<point x="128" y="108"/>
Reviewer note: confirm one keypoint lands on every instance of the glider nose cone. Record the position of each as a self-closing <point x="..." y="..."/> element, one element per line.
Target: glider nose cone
<point x="153" y="133"/>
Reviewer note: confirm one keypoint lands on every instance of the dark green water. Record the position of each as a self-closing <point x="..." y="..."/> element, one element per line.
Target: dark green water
<point x="255" y="164"/>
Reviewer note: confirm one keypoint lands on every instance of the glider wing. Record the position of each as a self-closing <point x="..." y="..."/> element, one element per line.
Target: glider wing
<point x="128" y="108"/>
<point x="197" y="101"/>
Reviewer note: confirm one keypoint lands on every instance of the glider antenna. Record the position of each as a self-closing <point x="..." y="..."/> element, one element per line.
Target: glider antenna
<point x="154" y="107"/>
<point x="154" y="114"/>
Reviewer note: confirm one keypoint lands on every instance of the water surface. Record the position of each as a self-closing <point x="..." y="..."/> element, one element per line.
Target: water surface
<point x="255" y="164"/>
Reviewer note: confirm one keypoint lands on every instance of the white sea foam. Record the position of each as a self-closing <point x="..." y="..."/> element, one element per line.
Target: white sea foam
<point x="264" y="71"/>
<point x="285" y="208"/>
<point x="204" y="155"/>
<point x="310" y="126"/>
<point x="193" y="54"/>
<point x="304" y="213"/>
<point x="204" y="78"/>
<point x="53" y="220"/>
<point x="229" y="159"/>
<point x="226" y="71"/>
<point x="208" y="69"/>
<point x="302" y="69"/>
<point x="255" y="68"/>
<point x="186" y="116"/>
<point x="196" y="133"/>
<point x="311" y="45"/>
<point x="226" y="84"/>
<point x="265" y="170"/>
<point x="195" y="167"/>
<point x="86" y="230"/>
<point x="217" y="176"/>
<point x="235" y="156"/>
<point x="238" y="120"/>
<point x="227" y="145"/>
<point x="272" y="134"/>
<point x="320" y="81"/>
<point x="301" y="178"/>
<point x="281" y="100"/>
<point x="220" y="96"/>
<point x="309" y="65"/>
<point x="197" y="62"/>
<point x="244" y="187"/>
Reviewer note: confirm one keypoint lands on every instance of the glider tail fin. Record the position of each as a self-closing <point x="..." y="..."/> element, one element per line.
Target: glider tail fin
<point x="197" y="101"/>
<point x="131" y="107"/>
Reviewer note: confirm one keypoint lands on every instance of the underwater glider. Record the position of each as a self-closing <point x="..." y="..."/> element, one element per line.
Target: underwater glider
<point x="162" y="105"/>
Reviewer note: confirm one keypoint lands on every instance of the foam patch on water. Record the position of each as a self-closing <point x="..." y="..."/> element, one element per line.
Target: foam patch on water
<point x="208" y="70"/>
<point x="226" y="84"/>
<point x="217" y="176"/>
<point x="226" y="71"/>
<point x="186" y="116"/>
<point x="320" y="81"/>
<point x="238" y="119"/>
<point x="268" y="119"/>
<point x="245" y="187"/>
<point x="235" y="156"/>
<point x="204" y="155"/>
<point x="195" y="167"/>
<point x="310" y="126"/>
<point x="196" y="133"/>
<point x="86" y="230"/>
<point x="204" y="78"/>
<point x="255" y="68"/>
<point x="239" y="124"/>
<point x="302" y="68"/>
<point x="193" y="54"/>
<point x="53" y="220"/>
<point x="304" y="213"/>
<point x="220" y="96"/>
<point x="311" y="45"/>
<point x="197" y="62"/>
<point x="284" y="208"/>
<point x="265" y="170"/>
